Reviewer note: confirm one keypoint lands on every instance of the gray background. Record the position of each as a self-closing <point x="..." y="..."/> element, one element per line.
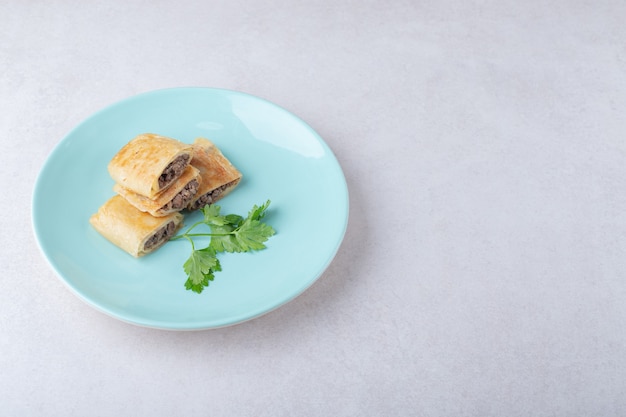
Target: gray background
<point x="483" y="269"/>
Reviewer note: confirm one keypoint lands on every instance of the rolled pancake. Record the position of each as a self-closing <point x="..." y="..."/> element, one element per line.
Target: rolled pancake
<point x="134" y="231"/>
<point x="173" y="199"/>
<point x="219" y="176"/>
<point x="150" y="163"/>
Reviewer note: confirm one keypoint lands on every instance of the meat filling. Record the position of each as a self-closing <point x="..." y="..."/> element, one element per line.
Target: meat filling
<point x="160" y="237"/>
<point x="183" y="198"/>
<point x="173" y="170"/>
<point x="210" y="197"/>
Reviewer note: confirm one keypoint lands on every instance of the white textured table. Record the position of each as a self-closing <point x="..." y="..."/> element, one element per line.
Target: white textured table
<point x="483" y="272"/>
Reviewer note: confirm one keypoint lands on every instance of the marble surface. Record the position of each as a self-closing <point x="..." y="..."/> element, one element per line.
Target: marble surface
<point x="483" y="272"/>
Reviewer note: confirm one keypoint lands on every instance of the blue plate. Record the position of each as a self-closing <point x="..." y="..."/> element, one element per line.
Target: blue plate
<point x="281" y="158"/>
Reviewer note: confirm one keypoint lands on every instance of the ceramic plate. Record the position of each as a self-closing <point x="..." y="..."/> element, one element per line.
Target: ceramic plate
<point x="281" y="158"/>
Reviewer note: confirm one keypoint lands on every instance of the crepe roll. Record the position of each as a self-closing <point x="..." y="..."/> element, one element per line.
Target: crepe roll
<point x="219" y="176"/>
<point x="172" y="200"/>
<point x="150" y="163"/>
<point x="134" y="231"/>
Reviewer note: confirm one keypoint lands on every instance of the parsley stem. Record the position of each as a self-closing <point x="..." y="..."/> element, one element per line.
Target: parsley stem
<point x="194" y="225"/>
<point x="186" y="234"/>
<point x="190" y="235"/>
<point x="210" y="234"/>
<point x="193" y="247"/>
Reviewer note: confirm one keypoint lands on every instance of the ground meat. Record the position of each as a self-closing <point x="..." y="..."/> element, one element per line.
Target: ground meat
<point x="183" y="198"/>
<point x="173" y="170"/>
<point x="209" y="197"/>
<point x="161" y="236"/>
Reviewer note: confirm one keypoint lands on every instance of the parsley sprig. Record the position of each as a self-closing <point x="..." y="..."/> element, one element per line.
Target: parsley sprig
<point x="228" y="233"/>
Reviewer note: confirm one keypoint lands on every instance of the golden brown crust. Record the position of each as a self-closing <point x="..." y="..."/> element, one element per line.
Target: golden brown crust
<point x="157" y="205"/>
<point x="215" y="169"/>
<point x="128" y="228"/>
<point x="138" y="165"/>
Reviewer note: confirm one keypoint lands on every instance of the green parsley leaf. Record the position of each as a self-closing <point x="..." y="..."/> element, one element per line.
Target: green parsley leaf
<point x="212" y="215"/>
<point x="230" y="233"/>
<point x="252" y="234"/>
<point x="233" y="219"/>
<point x="223" y="239"/>
<point x="258" y="212"/>
<point x="199" y="268"/>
